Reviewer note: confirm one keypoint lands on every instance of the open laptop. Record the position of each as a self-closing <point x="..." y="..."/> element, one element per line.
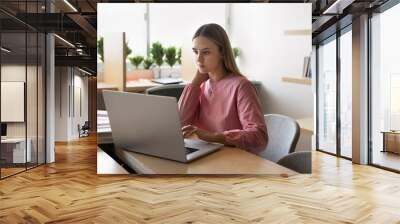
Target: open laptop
<point x="150" y="124"/>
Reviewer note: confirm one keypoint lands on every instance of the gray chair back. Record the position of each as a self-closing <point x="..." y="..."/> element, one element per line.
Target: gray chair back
<point x="174" y="90"/>
<point x="283" y="134"/>
<point x="297" y="161"/>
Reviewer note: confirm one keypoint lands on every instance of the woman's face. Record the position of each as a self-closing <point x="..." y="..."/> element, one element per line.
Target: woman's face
<point x="208" y="56"/>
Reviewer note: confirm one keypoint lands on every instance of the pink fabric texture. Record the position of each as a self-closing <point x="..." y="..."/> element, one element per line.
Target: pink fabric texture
<point x="229" y="106"/>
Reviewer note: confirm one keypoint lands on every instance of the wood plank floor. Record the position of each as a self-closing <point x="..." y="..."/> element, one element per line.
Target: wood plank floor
<point x="387" y="159"/>
<point x="70" y="191"/>
<point x="10" y="171"/>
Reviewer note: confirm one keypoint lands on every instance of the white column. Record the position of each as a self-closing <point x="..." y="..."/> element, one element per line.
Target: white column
<point x="50" y="99"/>
<point x="360" y="90"/>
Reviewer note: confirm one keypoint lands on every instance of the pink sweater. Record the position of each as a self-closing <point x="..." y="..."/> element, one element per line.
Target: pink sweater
<point x="230" y="106"/>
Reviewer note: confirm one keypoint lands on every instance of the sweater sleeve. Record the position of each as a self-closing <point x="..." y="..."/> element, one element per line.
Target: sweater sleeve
<point x="189" y="104"/>
<point x="253" y="135"/>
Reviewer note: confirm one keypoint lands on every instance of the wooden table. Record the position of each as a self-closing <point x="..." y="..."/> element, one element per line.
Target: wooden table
<point x="227" y="160"/>
<point x="391" y="141"/>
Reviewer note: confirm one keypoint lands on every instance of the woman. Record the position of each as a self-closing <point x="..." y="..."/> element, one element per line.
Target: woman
<point x="221" y="105"/>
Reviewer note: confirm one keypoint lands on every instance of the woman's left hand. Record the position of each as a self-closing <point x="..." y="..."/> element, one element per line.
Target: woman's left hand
<point x="202" y="134"/>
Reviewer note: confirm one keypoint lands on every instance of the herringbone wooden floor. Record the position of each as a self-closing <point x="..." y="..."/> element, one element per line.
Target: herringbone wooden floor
<point x="69" y="191"/>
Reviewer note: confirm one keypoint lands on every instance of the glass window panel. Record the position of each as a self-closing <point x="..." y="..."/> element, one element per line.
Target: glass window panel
<point x="13" y="75"/>
<point x="395" y="101"/>
<point x="385" y="86"/>
<point x="327" y="97"/>
<point x="346" y="94"/>
<point x="31" y="98"/>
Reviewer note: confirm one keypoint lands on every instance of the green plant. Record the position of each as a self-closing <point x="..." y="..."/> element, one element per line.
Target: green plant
<point x="179" y="56"/>
<point x="236" y="52"/>
<point x="100" y="48"/>
<point x="147" y="63"/>
<point x="170" y="56"/>
<point x="136" y="61"/>
<point x="157" y="52"/>
<point x="127" y="50"/>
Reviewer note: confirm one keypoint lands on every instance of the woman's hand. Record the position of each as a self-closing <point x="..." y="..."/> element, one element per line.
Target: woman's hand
<point x="203" y="134"/>
<point x="199" y="78"/>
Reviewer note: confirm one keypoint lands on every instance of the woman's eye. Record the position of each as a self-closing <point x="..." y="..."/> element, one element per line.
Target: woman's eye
<point x="206" y="52"/>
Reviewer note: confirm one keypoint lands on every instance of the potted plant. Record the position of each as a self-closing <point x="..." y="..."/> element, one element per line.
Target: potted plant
<point x="136" y="61"/>
<point x="139" y="73"/>
<point x="179" y="56"/>
<point x="147" y="63"/>
<point x="157" y="53"/>
<point x="170" y="58"/>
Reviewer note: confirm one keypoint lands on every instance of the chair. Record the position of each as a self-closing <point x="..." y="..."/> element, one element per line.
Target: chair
<point x="283" y="134"/>
<point x="84" y="130"/>
<point x="297" y="161"/>
<point x="174" y="90"/>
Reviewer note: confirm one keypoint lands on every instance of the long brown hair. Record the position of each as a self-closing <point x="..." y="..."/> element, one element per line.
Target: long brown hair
<point x="217" y="34"/>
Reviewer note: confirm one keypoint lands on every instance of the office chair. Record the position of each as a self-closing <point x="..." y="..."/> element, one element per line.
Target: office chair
<point x="84" y="130"/>
<point x="283" y="134"/>
<point x="297" y="161"/>
<point x="174" y="90"/>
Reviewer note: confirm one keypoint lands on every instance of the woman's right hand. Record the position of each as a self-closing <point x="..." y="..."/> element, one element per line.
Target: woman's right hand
<point x="199" y="78"/>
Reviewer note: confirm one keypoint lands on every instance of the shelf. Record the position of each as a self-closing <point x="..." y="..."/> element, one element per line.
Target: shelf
<point x="303" y="81"/>
<point x="298" y="32"/>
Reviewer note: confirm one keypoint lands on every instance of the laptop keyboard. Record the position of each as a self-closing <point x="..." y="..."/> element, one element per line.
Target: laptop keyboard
<point x="190" y="150"/>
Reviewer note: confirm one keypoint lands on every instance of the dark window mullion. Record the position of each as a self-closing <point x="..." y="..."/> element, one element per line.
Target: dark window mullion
<point x="37" y="91"/>
<point x="338" y="98"/>
<point x="0" y="96"/>
<point x="369" y="96"/>
<point x="26" y="88"/>
<point x="317" y="95"/>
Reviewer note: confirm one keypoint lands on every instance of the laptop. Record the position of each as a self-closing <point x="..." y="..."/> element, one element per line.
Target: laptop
<point x="150" y="124"/>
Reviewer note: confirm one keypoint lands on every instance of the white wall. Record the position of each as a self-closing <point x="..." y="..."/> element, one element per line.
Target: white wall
<point x="61" y="103"/>
<point x="69" y="85"/>
<point x="81" y="104"/>
<point x="33" y="127"/>
<point x="17" y="73"/>
<point x="268" y="54"/>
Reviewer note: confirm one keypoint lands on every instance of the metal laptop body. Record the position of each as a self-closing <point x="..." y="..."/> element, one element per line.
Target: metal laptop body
<point x="150" y="124"/>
